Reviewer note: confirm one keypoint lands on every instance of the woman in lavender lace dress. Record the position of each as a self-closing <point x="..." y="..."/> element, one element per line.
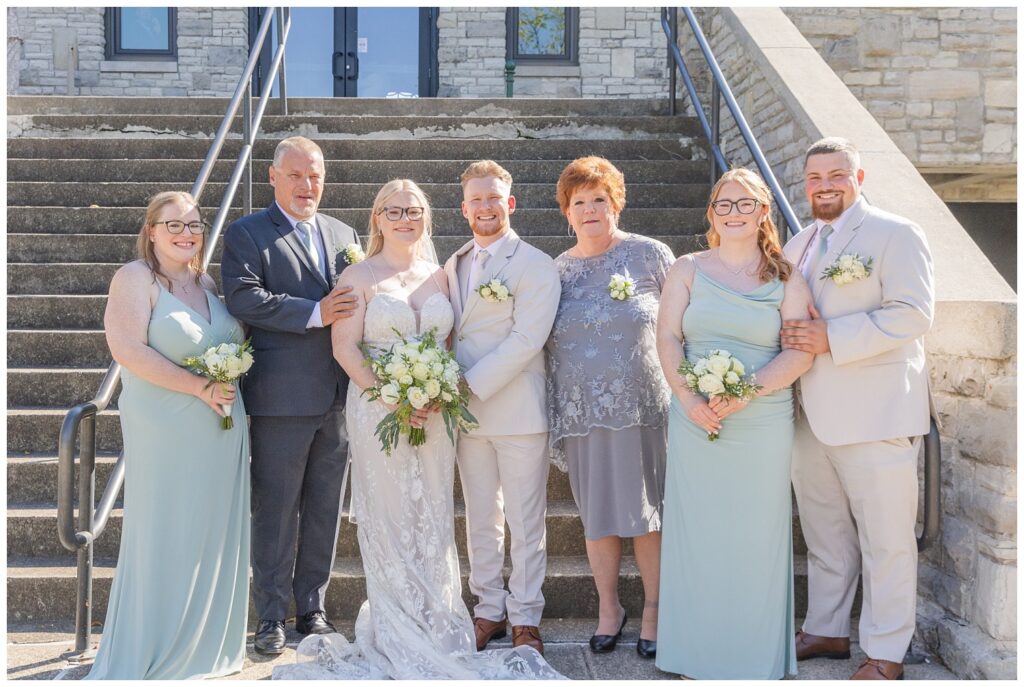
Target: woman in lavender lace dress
<point x="607" y="398"/>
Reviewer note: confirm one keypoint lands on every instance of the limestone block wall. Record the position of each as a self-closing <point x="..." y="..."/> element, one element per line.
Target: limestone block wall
<point x="967" y="580"/>
<point x="941" y="81"/>
<point x="212" y="49"/>
<point x="621" y="54"/>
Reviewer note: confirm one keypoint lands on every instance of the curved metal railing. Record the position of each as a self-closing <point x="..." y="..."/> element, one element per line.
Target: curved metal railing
<point x="79" y="424"/>
<point x="720" y="89"/>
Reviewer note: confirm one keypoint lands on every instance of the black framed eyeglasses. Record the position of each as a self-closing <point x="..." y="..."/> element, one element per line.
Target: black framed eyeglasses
<point x="395" y="213"/>
<point x="744" y="206"/>
<point x="176" y="226"/>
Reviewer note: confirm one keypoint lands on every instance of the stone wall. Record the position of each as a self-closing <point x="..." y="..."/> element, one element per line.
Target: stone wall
<point x="941" y="81"/>
<point x="621" y="54"/>
<point x="212" y="49"/>
<point x="967" y="581"/>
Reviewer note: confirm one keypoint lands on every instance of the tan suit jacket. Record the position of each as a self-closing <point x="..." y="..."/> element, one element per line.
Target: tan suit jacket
<point x="501" y="345"/>
<point x="873" y="385"/>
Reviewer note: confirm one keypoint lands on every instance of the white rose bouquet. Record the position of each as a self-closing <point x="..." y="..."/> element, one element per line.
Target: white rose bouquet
<point x="622" y="287"/>
<point x="847" y="269"/>
<point x="224" y="363"/>
<point x="493" y="291"/>
<point x="415" y="374"/>
<point x="718" y="374"/>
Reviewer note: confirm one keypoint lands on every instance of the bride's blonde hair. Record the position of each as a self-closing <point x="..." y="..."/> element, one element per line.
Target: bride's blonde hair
<point x="375" y="243"/>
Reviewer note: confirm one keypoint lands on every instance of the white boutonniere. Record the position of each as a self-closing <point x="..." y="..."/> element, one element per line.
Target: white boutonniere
<point x="847" y="269"/>
<point x="352" y="253"/>
<point x="621" y="287"/>
<point x="493" y="291"/>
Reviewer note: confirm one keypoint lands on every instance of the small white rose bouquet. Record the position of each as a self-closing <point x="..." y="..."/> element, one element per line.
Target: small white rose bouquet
<point x="352" y="253"/>
<point x="493" y="291"/>
<point x="224" y="364"/>
<point x="415" y="374"/>
<point x="718" y="374"/>
<point x="622" y="287"/>
<point x="847" y="269"/>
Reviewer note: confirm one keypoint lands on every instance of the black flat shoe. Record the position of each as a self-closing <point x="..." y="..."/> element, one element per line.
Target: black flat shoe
<point x="602" y="644"/>
<point x="314" y="623"/>
<point x="269" y="637"/>
<point x="647" y="648"/>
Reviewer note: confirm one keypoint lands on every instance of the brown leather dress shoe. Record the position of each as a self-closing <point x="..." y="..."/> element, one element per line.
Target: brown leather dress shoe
<point x="528" y="635"/>
<point x="486" y="630"/>
<point x="877" y="669"/>
<point x="813" y="646"/>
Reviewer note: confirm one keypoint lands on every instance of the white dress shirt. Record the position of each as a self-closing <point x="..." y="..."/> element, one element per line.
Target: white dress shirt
<point x="474" y="270"/>
<point x="314" y="319"/>
<point x="806" y="263"/>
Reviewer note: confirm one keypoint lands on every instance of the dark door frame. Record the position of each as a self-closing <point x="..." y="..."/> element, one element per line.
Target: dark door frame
<point x="345" y="57"/>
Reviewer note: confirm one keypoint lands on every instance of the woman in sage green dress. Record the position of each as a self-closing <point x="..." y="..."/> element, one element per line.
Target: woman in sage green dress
<point x="180" y="596"/>
<point x="727" y="554"/>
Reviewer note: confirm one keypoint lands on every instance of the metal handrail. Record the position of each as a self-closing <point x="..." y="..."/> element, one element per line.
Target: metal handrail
<point x="720" y="89"/>
<point x="80" y="421"/>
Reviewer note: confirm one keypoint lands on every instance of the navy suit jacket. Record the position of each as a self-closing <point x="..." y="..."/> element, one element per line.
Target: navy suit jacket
<point x="270" y="283"/>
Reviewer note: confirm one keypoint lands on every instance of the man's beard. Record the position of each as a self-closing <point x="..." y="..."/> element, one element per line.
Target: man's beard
<point x="833" y="211"/>
<point x="474" y="227"/>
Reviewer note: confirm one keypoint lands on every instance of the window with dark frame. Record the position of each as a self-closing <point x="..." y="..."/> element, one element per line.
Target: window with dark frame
<point x="542" y="35"/>
<point x="141" y="33"/>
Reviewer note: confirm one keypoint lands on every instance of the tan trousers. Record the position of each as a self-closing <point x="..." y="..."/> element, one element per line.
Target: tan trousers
<point x="858" y="507"/>
<point x="505" y="479"/>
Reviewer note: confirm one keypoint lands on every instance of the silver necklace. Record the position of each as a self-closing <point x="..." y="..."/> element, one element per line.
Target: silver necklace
<point x="736" y="273"/>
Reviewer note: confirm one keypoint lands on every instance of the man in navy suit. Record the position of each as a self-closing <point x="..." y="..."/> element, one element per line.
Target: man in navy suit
<point x="279" y="269"/>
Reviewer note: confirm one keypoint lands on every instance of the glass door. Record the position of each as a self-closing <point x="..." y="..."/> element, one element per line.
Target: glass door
<point x="370" y="52"/>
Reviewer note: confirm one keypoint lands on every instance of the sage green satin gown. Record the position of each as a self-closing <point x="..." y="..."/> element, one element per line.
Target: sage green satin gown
<point x="726" y="602"/>
<point x="180" y="597"/>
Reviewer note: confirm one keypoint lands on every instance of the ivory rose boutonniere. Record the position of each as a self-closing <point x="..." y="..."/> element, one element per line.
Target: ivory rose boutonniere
<point x="621" y="287"/>
<point x="352" y="253"/>
<point x="847" y="269"/>
<point x="494" y="291"/>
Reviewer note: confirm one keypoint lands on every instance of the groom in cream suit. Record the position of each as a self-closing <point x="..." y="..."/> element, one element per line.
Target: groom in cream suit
<point x="864" y="406"/>
<point x="499" y="339"/>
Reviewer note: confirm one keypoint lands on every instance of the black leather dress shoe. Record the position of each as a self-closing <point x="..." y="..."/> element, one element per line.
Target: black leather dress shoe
<point x="602" y="644"/>
<point x="314" y="623"/>
<point x="269" y="637"/>
<point x="647" y="648"/>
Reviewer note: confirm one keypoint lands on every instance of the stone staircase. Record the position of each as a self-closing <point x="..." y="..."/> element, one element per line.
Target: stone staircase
<point x="80" y="171"/>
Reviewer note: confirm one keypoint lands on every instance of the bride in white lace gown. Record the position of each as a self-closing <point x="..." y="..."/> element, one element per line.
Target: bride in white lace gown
<point x="414" y="624"/>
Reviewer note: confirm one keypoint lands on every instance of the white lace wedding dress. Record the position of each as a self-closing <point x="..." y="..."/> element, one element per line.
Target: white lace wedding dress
<point x="414" y="624"/>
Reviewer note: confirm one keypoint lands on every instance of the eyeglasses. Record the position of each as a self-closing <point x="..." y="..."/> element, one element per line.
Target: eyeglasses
<point x="395" y="214"/>
<point x="176" y="226"/>
<point x="744" y="206"/>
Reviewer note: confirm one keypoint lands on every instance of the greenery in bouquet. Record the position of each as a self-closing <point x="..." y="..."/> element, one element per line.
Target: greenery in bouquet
<point x="718" y="373"/>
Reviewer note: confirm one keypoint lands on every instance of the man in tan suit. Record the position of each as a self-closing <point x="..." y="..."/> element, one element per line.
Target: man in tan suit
<point x="499" y="338"/>
<point x="865" y="405"/>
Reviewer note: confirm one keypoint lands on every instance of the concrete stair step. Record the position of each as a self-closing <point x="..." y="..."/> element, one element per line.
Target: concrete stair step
<point x="424" y="107"/>
<point x="48" y="387"/>
<point x="340" y="170"/>
<point x="156" y="147"/>
<point x="341" y="195"/>
<point x="43" y="589"/>
<point x="55" y="312"/>
<point x="42" y="278"/>
<point x="447" y="221"/>
<point x="393" y="127"/>
<point x="34" y="430"/>
<point x="56" y="348"/>
<point x="32" y="481"/>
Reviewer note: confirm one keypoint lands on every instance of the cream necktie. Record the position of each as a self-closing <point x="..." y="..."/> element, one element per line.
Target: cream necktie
<point x="479" y="262"/>
<point x="309" y="241"/>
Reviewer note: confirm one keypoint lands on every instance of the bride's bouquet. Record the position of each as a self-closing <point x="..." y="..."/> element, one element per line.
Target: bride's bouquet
<point x="224" y="363"/>
<point x="413" y="375"/>
<point x="718" y="374"/>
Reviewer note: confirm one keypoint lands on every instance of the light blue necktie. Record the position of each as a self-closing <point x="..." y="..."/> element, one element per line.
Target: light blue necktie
<point x="309" y="241"/>
<point x="822" y="249"/>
